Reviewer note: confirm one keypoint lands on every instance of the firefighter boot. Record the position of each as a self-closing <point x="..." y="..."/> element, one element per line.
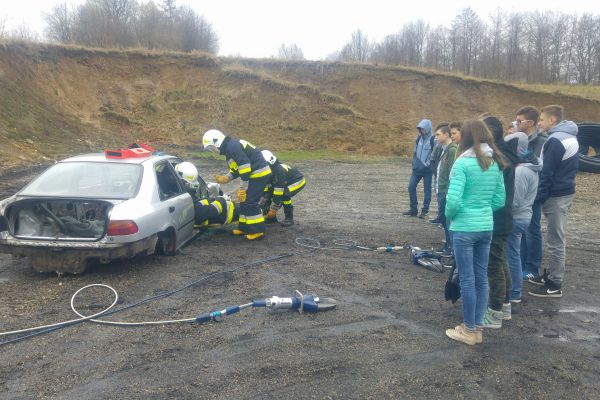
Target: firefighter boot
<point x="289" y="216"/>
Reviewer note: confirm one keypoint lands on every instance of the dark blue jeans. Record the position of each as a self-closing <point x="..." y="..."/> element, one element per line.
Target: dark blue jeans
<point x="471" y="253"/>
<point x="415" y="178"/>
<point x="514" y="258"/>
<point x="531" y="243"/>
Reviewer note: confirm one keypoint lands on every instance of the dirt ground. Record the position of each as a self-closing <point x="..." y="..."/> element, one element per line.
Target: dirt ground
<point x="385" y="339"/>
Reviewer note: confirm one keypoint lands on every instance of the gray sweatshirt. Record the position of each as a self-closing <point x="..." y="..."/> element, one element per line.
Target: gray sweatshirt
<point x="526" y="184"/>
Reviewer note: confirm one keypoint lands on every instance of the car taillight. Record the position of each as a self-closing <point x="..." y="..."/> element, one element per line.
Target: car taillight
<point x="118" y="228"/>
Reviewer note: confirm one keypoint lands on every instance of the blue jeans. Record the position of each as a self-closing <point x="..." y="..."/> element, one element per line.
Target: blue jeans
<point x="531" y="247"/>
<point x="415" y="178"/>
<point x="513" y="254"/>
<point x="471" y="253"/>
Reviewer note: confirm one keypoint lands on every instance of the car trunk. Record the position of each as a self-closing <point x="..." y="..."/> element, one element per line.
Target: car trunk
<point x="58" y="219"/>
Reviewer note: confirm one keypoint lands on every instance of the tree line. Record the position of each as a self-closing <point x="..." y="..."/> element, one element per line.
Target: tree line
<point x="533" y="47"/>
<point x="128" y="23"/>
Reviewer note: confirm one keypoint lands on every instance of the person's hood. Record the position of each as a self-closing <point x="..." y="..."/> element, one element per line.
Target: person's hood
<point x="534" y="167"/>
<point x="568" y="127"/>
<point x="509" y="146"/>
<point x="425" y="124"/>
<point x="485" y="149"/>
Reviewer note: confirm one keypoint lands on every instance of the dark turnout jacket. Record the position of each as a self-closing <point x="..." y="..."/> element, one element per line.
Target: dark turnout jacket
<point x="245" y="160"/>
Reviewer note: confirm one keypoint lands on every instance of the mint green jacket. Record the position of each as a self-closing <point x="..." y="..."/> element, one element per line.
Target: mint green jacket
<point x="473" y="195"/>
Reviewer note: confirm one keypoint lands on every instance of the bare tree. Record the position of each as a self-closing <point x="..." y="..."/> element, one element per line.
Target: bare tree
<point x="196" y="33"/>
<point x="169" y="8"/>
<point x="59" y="23"/>
<point x="358" y="49"/>
<point x="2" y="27"/>
<point x="23" y="32"/>
<point x="290" y="52"/>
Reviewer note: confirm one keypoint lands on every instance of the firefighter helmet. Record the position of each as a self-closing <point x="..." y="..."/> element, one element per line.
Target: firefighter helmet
<point x="269" y="157"/>
<point x="188" y="172"/>
<point x="212" y="139"/>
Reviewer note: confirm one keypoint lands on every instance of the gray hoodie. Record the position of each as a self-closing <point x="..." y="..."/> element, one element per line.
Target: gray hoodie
<point x="526" y="185"/>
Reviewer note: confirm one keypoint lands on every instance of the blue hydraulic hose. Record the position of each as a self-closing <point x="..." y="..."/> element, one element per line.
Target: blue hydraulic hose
<point x="158" y="296"/>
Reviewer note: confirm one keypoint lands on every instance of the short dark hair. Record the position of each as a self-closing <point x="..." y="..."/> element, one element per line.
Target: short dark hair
<point x="444" y="127"/>
<point x="530" y="112"/>
<point x="455" y="125"/>
<point x="554" y="110"/>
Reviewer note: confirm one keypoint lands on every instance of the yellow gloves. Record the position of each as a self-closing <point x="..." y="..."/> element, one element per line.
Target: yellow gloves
<point x="222" y="179"/>
<point x="271" y="213"/>
<point x="241" y="195"/>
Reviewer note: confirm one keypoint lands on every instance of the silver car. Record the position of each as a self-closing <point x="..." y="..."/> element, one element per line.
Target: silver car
<point x="92" y="208"/>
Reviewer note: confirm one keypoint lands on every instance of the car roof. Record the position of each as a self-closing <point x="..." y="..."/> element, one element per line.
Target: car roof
<point x="100" y="157"/>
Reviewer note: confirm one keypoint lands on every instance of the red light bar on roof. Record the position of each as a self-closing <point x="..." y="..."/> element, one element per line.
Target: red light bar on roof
<point x="127" y="153"/>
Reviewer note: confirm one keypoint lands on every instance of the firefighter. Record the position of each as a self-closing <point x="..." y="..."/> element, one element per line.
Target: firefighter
<point x="286" y="182"/>
<point x="220" y="211"/>
<point x="246" y="162"/>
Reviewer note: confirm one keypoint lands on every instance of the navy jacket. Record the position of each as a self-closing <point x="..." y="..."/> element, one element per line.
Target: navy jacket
<point x="560" y="160"/>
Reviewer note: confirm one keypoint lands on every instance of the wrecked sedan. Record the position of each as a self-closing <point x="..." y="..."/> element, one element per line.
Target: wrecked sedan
<point x="94" y="208"/>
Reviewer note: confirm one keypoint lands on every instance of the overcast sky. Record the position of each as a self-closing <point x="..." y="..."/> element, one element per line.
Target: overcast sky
<point x="319" y="27"/>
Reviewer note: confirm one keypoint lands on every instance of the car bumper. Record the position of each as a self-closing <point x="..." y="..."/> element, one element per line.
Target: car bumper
<point x="72" y="257"/>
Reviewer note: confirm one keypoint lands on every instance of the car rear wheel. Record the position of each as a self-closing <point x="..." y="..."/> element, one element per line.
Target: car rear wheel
<point x="166" y="244"/>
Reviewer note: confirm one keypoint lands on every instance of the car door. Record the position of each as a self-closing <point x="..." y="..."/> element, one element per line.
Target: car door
<point x="176" y="203"/>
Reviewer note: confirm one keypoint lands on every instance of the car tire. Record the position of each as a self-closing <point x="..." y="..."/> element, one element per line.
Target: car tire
<point x="167" y="242"/>
<point x="589" y="136"/>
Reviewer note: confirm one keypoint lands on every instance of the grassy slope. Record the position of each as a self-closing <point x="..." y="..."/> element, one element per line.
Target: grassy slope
<point x="62" y="100"/>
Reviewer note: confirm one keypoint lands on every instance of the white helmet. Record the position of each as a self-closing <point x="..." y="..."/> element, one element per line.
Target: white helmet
<point x="212" y="139"/>
<point x="188" y="172"/>
<point x="269" y="157"/>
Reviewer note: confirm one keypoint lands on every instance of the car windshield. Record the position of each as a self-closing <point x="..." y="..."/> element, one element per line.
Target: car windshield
<point x="98" y="180"/>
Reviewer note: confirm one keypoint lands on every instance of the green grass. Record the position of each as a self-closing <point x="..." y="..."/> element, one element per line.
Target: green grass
<point x="303" y="155"/>
<point x="585" y="91"/>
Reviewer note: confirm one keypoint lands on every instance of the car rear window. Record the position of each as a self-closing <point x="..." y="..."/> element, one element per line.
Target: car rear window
<point x="87" y="180"/>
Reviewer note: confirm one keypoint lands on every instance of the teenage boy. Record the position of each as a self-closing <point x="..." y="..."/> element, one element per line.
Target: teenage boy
<point x="555" y="193"/>
<point x="531" y="242"/>
<point x="526" y="184"/>
<point x="455" y="132"/>
<point x="442" y="135"/>
<point x="421" y="169"/>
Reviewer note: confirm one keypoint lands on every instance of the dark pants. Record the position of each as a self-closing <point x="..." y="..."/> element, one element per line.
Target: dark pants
<point x="498" y="273"/>
<point x="531" y="243"/>
<point x="441" y="199"/>
<point x="251" y="217"/>
<point x="415" y="178"/>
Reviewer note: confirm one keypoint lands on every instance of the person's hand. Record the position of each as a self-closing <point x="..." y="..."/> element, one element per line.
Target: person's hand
<point x="241" y="195"/>
<point x="222" y="179"/>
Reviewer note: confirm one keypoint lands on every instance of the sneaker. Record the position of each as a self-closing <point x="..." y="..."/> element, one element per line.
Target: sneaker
<point x="435" y="221"/>
<point x="492" y="319"/>
<point x="423" y="214"/>
<point x="546" y="291"/>
<point x="462" y="334"/>
<point x="254" y="236"/>
<point x="515" y="301"/>
<point x="506" y="311"/>
<point x="539" y="280"/>
<point x="410" y="213"/>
